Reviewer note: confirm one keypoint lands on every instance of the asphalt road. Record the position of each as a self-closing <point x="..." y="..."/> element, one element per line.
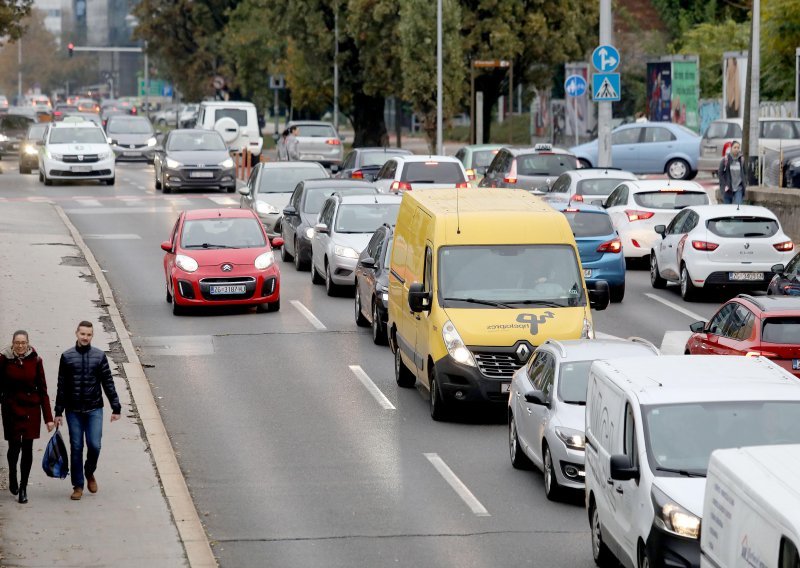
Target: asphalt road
<point x="291" y="460"/>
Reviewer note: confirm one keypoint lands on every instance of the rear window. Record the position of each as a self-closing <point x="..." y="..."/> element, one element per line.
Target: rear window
<point x="284" y="180"/>
<point x="316" y="131"/>
<point x="545" y="164"/>
<point x="15" y="122"/>
<point x="781" y="330"/>
<point x="482" y="158"/>
<point x="597" y="186"/>
<point x="432" y="172"/>
<point x="365" y="218"/>
<point x="743" y="227"/>
<point x="378" y="158"/>
<point x="670" y="199"/>
<point x="586" y="224"/>
<point x="779" y="129"/>
<point x="237" y="114"/>
<point x="724" y="130"/>
<point x="315" y="197"/>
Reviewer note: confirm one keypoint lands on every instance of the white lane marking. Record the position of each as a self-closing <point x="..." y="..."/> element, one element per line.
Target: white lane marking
<point x="676" y="307"/>
<point x="309" y="316"/>
<point x="674" y="342"/>
<point x="223" y="200"/>
<point x="373" y="389"/>
<point x="457" y="485"/>
<point x="88" y="202"/>
<point x="119" y="210"/>
<point x="179" y="202"/>
<point x="177" y="345"/>
<point x="113" y="236"/>
<point x="601" y="335"/>
<point x="39" y="199"/>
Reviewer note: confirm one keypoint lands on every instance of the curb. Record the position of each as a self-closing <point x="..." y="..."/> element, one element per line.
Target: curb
<point x="192" y="535"/>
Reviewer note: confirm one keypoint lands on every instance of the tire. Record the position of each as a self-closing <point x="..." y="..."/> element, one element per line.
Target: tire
<point x="299" y="265"/>
<point x="331" y="288"/>
<point x="361" y="321"/>
<point x="315" y="277"/>
<point x="402" y="375"/>
<point x="285" y="256"/>
<point x="169" y="296"/>
<point x="166" y="189"/>
<point x="584" y="163"/>
<point x="552" y="489"/>
<point x="111" y="181"/>
<point x="688" y="290"/>
<point x="600" y="552"/>
<point x="176" y="309"/>
<point x="47" y="181"/>
<point x="656" y="281"/>
<point x="231" y="189"/>
<point x="439" y="410"/>
<point x="692" y="174"/>
<point x="644" y="561"/>
<point x="518" y="458"/>
<point x="678" y="169"/>
<point x="617" y="293"/>
<point x="269" y="307"/>
<point x="378" y="330"/>
<point x="158" y="183"/>
<point x="41" y="176"/>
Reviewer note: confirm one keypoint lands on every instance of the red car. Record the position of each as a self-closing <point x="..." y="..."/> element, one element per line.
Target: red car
<point x="221" y="257"/>
<point x="746" y="325"/>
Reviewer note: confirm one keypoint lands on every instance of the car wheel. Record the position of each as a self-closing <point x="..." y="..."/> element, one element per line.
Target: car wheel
<point x="111" y="181"/>
<point x="437" y="402"/>
<point x="169" y="296"/>
<point x="688" y="290"/>
<point x="176" y="309"/>
<point x="551" y="487"/>
<point x="158" y="183"/>
<point x="47" y="180"/>
<point x="584" y="163"/>
<point x="644" y="560"/>
<point x="299" y="265"/>
<point x="378" y="331"/>
<point x="41" y="176"/>
<point x="231" y="189"/>
<point x="315" y="277"/>
<point x="165" y="188"/>
<point x="600" y="552"/>
<point x="361" y="321"/>
<point x="285" y="256"/>
<point x="331" y="287"/>
<point x="518" y="458"/>
<point x="617" y="293"/>
<point x="678" y="169"/>
<point x="402" y="375"/>
<point x="656" y="281"/>
<point x="269" y="306"/>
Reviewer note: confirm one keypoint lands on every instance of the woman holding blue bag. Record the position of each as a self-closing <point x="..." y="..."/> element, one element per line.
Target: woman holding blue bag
<point x="23" y="392"/>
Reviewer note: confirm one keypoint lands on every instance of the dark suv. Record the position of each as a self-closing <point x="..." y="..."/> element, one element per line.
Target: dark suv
<point x="13" y="128"/>
<point x="534" y="169"/>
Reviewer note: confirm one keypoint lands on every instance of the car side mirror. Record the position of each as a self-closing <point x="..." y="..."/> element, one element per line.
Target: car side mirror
<point x="334" y="169"/>
<point x="244" y="190"/>
<point x="166" y="246"/>
<point x="418" y="299"/>
<point x="322" y="228"/>
<point x="367" y="262"/>
<point x="536" y="397"/>
<point x="276" y="242"/>
<point x="661" y="230"/>
<point x="621" y="468"/>
<point x="599" y="294"/>
<point x="290" y="211"/>
<point x="778" y="269"/>
<point x="698" y="327"/>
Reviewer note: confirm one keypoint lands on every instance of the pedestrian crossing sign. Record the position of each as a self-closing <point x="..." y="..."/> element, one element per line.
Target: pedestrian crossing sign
<point x="606" y="87"/>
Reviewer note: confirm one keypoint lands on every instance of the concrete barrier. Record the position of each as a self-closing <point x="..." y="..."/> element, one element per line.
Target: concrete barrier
<point x="784" y="202"/>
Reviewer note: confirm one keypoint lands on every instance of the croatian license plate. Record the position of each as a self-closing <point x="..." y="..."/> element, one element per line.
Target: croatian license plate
<point x="201" y="174"/>
<point x="131" y="153"/>
<point x="505" y="387"/>
<point x="796" y="364"/>
<point x="587" y="272"/>
<point x="218" y="290"/>
<point x="81" y="169"/>
<point x="746" y="276"/>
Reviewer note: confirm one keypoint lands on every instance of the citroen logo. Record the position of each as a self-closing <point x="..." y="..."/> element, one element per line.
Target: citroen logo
<point x="523" y="352"/>
<point x="227" y="268"/>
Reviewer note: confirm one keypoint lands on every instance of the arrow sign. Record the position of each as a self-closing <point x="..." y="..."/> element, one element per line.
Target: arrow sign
<point x="605" y="58"/>
<point x="575" y="86"/>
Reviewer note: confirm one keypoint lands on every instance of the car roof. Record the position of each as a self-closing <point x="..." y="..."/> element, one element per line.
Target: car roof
<point x="479" y="147"/>
<point x="521" y="150"/>
<point x="309" y="123"/>
<point x="725" y="210"/>
<point x="82" y="124"/>
<point x="218" y="213"/>
<point x="336" y="183"/>
<point x="227" y="103"/>
<point x="573" y="206"/>
<point x="368" y="199"/>
<point x="772" y="304"/>
<point x="594" y="349"/>
<point x="427" y="158"/>
<point x="598" y="173"/>
<point x="700" y="378"/>
<point x="290" y="165"/>
<point x="401" y="151"/>
<point x="665" y="184"/>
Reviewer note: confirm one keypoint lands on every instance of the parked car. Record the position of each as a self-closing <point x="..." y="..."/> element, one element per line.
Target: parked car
<point x="372" y="284"/>
<point x="768" y="326"/>
<point x="711" y="246"/>
<point x="534" y="169"/>
<point x="221" y="257"/>
<point x="131" y="137"/>
<point x="786" y="281"/>
<point x="236" y="122"/>
<point x="588" y="185"/>
<point x="13" y="128"/>
<point x="190" y="159"/>
<point x="318" y="141"/>
<point x="364" y="163"/>
<point x="76" y="150"/>
<point x="403" y="173"/>
<point x="476" y="159"/>
<point x="773" y="133"/>
<point x="649" y="148"/>
<point x="29" y="148"/>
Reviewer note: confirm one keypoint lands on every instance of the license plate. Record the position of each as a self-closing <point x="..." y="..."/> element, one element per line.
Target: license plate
<point x="81" y="169"/>
<point x="796" y="364"/>
<point x="746" y="276"/>
<point x="131" y="153"/>
<point x="238" y="289"/>
<point x="505" y="387"/>
<point x="15" y="146"/>
<point x="315" y="157"/>
<point x="587" y="272"/>
<point x="201" y="174"/>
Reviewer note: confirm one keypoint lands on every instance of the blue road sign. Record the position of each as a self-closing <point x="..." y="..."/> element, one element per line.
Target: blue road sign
<point x="575" y="86"/>
<point x="605" y="58"/>
<point x="166" y="91"/>
<point x="606" y="87"/>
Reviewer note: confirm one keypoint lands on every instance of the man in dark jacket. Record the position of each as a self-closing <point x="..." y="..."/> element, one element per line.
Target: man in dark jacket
<point x="732" y="176"/>
<point x="82" y="373"/>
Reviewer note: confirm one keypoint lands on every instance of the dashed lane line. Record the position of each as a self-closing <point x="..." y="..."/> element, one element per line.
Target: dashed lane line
<point x="676" y="307"/>
<point x="458" y="486"/>
<point x="373" y="389"/>
<point x="308" y="315"/>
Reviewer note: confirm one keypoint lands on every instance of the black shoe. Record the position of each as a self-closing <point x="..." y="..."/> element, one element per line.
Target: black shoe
<point x="23" y="494"/>
<point x="13" y="486"/>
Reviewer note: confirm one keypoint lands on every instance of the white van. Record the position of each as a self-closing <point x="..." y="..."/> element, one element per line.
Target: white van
<point x="651" y="425"/>
<point x="237" y="123"/>
<point x="752" y="508"/>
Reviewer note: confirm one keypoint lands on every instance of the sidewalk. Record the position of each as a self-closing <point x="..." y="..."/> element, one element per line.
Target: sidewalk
<point x="46" y="287"/>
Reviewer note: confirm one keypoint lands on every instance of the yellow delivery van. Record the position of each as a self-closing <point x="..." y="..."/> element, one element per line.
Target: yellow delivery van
<point x="478" y="279"/>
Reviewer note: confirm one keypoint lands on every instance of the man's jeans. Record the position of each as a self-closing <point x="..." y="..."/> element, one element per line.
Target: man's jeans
<point x="89" y="425"/>
<point x="733" y="197"/>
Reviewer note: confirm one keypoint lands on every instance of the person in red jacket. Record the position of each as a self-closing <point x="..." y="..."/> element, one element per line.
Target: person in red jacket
<point x="23" y="391"/>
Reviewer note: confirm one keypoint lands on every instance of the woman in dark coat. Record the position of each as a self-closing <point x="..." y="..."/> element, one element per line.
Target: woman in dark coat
<point x="23" y="391"/>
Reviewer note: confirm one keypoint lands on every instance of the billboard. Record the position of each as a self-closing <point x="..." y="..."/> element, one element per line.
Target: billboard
<point x="685" y="94"/>
<point x="659" y="91"/>
<point x="734" y="78"/>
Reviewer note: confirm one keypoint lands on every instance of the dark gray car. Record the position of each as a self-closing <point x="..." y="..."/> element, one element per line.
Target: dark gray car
<point x="131" y="137"/>
<point x="190" y="159"/>
<point x="534" y="169"/>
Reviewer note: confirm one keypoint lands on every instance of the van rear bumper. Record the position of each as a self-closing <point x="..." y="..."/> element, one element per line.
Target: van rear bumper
<point x="667" y="550"/>
<point x="462" y="383"/>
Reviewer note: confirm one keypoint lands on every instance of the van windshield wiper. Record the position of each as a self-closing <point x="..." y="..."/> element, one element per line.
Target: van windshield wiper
<point x="476" y="301"/>
<point x="545" y="303"/>
<point x="683" y="472"/>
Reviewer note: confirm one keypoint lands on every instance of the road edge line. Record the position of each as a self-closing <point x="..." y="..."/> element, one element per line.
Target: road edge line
<point x="184" y="514"/>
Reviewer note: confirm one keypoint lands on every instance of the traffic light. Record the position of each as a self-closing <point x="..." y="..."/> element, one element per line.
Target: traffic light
<point x="70" y="47"/>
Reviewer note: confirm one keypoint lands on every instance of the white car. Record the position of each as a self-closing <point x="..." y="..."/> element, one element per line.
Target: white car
<point x="719" y="245"/>
<point x="402" y="173"/>
<point x="636" y="207"/>
<point x="76" y="151"/>
<point x="236" y="121"/>
<point x="587" y="185"/>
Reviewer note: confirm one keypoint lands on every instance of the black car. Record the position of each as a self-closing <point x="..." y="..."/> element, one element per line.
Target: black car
<point x="534" y="169"/>
<point x="364" y="163"/>
<point x="786" y="282"/>
<point x="29" y="148"/>
<point x="13" y="128"/>
<point x="190" y="159"/>
<point x="372" y="284"/>
<point x="300" y="216"/>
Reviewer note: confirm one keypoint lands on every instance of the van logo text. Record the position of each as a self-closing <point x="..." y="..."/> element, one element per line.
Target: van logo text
<point x="535" y="321"/>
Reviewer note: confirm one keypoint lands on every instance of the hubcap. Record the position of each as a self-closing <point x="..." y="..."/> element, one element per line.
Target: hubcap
<point x="653" y="268"/>
<point x="684" y="281"/>
<point x="595" y="533"/>
<point x="328" y="277"/>
<point x="512" y="439"/>
<point x="375" y="323"/>
<point x="358" y="303"/>
<point x="677" y="169"/>
<point x="548" y="478"/>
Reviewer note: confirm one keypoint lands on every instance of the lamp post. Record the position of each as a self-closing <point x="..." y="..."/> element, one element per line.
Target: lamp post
<point x="439" y="149"/>
<point x="19" y="71"/>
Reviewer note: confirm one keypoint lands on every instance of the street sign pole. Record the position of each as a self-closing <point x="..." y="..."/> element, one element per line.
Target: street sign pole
<point x="604" y="113"/>
<point x="439" y="109"/>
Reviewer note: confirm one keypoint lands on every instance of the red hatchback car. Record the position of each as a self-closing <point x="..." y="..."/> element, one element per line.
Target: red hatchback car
<point x="765" y="325"/>
<point x="221" y="257"/>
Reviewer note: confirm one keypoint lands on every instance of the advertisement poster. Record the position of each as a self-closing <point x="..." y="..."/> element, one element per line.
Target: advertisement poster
<point x="685" y="94"/>
<point x="734" y="77"/>
<point x="659" y="91"/>
<point x="579" y="105"/>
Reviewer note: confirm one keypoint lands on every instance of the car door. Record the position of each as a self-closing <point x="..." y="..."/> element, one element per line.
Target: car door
<point x="616" y="204"/>
<point x="523" y="411"/>
<point x="320" y="241"/>
<point x="667" y="248"/>
<point x="290" y="222"/>
<point x="365" y="276"/>
<point x="420" y="320"/>
<point x="625" y="146"/>
<point x="627" y="495"/>
<point x="708" y="341"/>
<point x="385" y="177"/>
<point x="169" y="256"/>
<point x="540" y="414"/>
<point x="737" y="332"/>
<point x="657" y="143"/>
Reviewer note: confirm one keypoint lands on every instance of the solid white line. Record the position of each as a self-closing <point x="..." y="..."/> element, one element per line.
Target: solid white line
<point x="113" y="236"/>
<point x="222" y="200"/>
<point x="676" y="307"/>
<point x="88" y="202"/>
<point x="309" y="316"/>
<point x="362" y="376"/>
<point x="457" y="485"/>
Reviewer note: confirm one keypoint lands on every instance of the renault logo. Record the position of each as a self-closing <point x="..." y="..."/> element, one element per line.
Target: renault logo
<point x="746" y="246"/>
<point x="227" y="268"/>
<point x="523" y="352"/>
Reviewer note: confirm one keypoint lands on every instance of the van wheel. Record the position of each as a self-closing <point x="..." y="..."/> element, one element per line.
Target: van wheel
<point x="656" y="281"/>
<point x="518" y="458"/>
<point x="402" y="375"/>
<point x="688" y="290"/>
<point x="439" y="411"/>
<point x="600" y="552"/>
<point x="361" y="321"/>
<point x="551" y="487"/>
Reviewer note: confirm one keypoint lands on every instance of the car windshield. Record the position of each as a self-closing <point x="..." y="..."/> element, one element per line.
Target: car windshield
<point x="284" y="180"/>
<point x="15" y="122"/>
<point x="589" y="224"/>
<point x="378" y="158"/>
<point x="316" y="196"/>
<point x="572" y="381"/>
<point x="545" y="164"/>
<point x="365" y="217"/>
<point x="603" y="186"/>
<point x="670" y="199"/>
<point x="189" y="142"/>
<point x="77" y="136"/>
<point x="387" y="260"/>
<point x="432" y="172"/>
<point x="129" y="126"/>
<point x="85" y="116"/>
<point x="316" y="131"/>
<point x="781" y="330"/>
<point x="482" y="158"/>
<point x="222" y="233"/>
<point x="36" y="132"/>
<point x="743" y="227"/>
<point x="544" y="275"/>
<point x="681" y="437"/>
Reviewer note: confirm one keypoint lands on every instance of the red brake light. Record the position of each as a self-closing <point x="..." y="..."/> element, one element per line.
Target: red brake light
<point x="333" y="141"/>
<point x="634" y="215"/>
<point x="704" y="245"/>
<point x="614" y="246"/>
<point x="133" y="110"/>
<point x="576" y="197"/>
<point x="401" y="186"/>
<point x="462" y="185"/>
<point x="358" y="174"/>
<point x="767" y="354"/>
<point x="511" y="176"/>
<point x="783" y="247"/>
<point x="58" y="113"/>
<point x="571" y="210"/>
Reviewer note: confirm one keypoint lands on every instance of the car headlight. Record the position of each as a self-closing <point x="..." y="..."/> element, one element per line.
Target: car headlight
<point x="264" y="208"/>
<point x="795" y="163"/>
<point x="226" y="163"/>
<point x="173" y="163"/>
<point x="56" y="156"/>
<point x="152" y="142"/>
<point x="31" y="150"/>
<point x="345" y="252"/>
<point x="186" y="263"/>
<point x="104" y="155"/>
<point x="265" y="260"/>
<point x="455" y="346"/>
<point x="310" y="233"/>
<point x="673" y="518"/>
<point x="3" y="138"/>
<point x="573" y="439"/>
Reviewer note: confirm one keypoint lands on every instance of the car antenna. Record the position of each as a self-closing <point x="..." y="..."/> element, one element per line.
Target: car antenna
<point x="458" y="215"/>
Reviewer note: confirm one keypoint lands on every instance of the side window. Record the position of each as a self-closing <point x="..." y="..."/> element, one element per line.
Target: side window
<point x="676" y="226"/>
<point x="461" y="156"/>
<point x="629" y="441"/>
<point x="548" y="377"/>
<point x="793" y="267"/>
<point x="294" y="201"/>
<point x="561" y="185"/>
<point x="612" y="199"/>
<point x="251" y="181"/>
<point x="174" y="236"/>
<point x="498" y="163"/>
<point x="691" y="222"/>
<point x="789" y="557"/>
<point x="740" y="324"/>
<point x="717" y="323"/>
<point x="374" y="246"/>
<point x="326" y="215"/>
<point x="657" y="134"/>
<point x="626" y="136"/>
<point x="382" y="172"/>
<point x="427" y="279"/>
<point x="536" y="369"/>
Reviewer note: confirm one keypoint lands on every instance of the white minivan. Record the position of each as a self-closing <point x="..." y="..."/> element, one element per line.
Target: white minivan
<point x="752" y="507"/>
<point x="651" y="425"/>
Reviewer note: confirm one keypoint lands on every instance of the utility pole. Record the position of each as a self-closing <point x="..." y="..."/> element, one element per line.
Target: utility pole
<point x="336" y="67"/>
<point x="751" y="97"/>
<point x="604" y="108"/>
<point x="439" y="105"/>
<point x="19" y="71"/>
<point x="146" y="82"/>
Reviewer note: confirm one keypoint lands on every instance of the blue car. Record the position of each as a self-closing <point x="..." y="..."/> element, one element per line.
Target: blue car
<point x="648" y="148"/>
<point x="598" y="245"/>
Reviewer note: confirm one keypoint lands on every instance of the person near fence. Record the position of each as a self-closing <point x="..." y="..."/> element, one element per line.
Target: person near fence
<point x="23" y="391"/>
<point x="293" y="145"/>
<point x="82" y="372"/>
<point x="732" y="176"/>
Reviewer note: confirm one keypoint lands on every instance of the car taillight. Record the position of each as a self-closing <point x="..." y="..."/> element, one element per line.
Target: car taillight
<point x="783" y="247"/>
<point x="767" y="354"/>
<point x="509" y="179"/>
<point x="57" y="113"/>
<point x="462" y="185"/>
<point x="133" y="110"/>
<point x="576" y="197"/>
<point x="511" y="176"/>
<point x="401" y="186"/>
<point x="357" y="174"/>
<point x="333" y="141"/>
<point x="635" y="215"/>
<point x="704" y="245"/>
<point x="614" y="246"/>
<point x="471" y="174"/>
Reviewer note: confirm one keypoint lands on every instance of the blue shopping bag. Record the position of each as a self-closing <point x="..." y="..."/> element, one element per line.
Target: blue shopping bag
<point x="55" y="461"/>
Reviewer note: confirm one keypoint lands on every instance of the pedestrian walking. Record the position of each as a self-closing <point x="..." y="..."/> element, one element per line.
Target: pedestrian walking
<point x="282" y="155"/>
<point x="293" y="145"/>
<point x="731" y="176"/>
<point x="23" y="391"/>
<point x="82" y="372"/>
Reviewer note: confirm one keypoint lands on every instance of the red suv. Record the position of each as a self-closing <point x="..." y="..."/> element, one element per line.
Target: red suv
<point x="766" y="325"/>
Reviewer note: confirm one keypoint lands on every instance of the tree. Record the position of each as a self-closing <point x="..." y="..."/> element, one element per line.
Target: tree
<point x="780" y="31"/>
<point x="681" y="16"/>
<point x="12" y="13"/>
